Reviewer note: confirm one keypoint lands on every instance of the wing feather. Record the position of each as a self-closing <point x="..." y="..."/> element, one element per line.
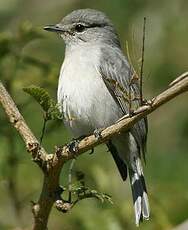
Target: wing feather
<point x="117" y="75"/>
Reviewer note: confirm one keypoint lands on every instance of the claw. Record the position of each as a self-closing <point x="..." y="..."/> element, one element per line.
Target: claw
<point x="92" y="151"/>
<point x="147" y="102"/>
<point x="73" y="145"/>
<point x="131" y="112"/>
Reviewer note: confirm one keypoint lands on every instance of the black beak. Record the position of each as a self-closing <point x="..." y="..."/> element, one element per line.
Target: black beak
<point x="53" y="28"/>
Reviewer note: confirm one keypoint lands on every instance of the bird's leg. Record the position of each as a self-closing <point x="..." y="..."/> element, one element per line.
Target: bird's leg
<point x="73" y="145"/>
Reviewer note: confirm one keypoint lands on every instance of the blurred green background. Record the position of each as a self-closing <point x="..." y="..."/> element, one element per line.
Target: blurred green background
<point x="30" y="56"/>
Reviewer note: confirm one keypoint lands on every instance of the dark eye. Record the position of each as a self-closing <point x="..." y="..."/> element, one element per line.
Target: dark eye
<point x="79" y="28"/>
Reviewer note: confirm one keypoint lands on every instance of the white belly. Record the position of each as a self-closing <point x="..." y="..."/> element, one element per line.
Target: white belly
<point x="86" y="102"/>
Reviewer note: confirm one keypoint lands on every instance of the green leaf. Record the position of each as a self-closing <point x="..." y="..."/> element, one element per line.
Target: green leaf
<point x="54" y="112"/>
<point x="83" y="192"/>
<point x="48" y="105"/>
<point x="40" y="95"/>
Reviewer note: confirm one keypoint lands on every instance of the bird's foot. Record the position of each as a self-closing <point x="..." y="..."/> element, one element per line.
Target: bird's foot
<point x="147" y="102"/>
<point x="131" y="112"/>
<point x="73" y="145"/>
<point x="97" y="133"/>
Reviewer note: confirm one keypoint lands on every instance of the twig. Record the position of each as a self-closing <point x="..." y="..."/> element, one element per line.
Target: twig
<point x="142" y="62"/>
<point x="54" y="162"/>
<point x="19" y="123"/>
<point x="12" y="162"/>
<point x="130" y="78"/>
<point x="180" y="78"/>
<point x="129" y="92"/>
<point x="70" y="180"/>
<point x="43" y="130"/>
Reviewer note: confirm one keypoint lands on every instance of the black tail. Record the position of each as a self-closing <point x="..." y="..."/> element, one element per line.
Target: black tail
<point x="119" y="162"/>
<point x="139" y="193"/>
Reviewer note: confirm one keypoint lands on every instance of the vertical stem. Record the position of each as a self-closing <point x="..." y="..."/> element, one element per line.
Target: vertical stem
<point x="142" y="63"/>
<point x="41" y="210"/>
<point x="43" y="130"/>
<point x="70" y="179"/>
<point x="129" y="93"/>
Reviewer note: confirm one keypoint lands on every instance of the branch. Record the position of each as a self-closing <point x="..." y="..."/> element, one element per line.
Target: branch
<point x="51" y="164"/>
<point x="142" y="62"/>
<point x="42" y="208"/>
<point x="17" y="120"/>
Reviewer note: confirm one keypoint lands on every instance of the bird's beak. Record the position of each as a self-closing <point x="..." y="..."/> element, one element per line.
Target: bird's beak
<point x="54" y="28"/>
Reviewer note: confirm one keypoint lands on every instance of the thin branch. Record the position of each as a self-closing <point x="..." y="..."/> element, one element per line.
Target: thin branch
<point x="17" y="120"/>
<point x="51" y="164"/>
<point x="142" y="62"/>
<point x="129" y="92"/>
<point x="70" y="180"/>
<point x="42" y="208"/>
<point x="43" y="130"/>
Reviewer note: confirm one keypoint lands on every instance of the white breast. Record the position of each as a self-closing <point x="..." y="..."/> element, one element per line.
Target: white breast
<point x="86" y="102"/>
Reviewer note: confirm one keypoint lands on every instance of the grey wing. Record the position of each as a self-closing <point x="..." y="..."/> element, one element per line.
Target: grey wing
<point x="117" y="73"/>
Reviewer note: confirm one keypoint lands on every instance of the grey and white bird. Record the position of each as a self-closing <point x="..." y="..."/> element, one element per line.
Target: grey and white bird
<point x="89" y="98"/>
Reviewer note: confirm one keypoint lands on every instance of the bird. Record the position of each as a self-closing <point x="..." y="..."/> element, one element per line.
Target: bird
<point x="93" y="83"/>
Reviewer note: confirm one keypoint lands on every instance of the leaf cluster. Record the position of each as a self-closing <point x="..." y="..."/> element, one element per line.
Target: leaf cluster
<point x="84" y="192"/>
<point x="80" y="191"/>
<point x="49" y="106"/>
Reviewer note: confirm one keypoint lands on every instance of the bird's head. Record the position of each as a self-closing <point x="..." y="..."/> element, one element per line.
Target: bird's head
<point x="85" y="26"/>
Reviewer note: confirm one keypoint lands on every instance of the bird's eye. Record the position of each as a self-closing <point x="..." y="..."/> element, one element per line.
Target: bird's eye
<point x="79" y="28"/>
